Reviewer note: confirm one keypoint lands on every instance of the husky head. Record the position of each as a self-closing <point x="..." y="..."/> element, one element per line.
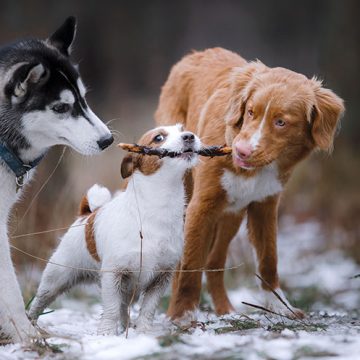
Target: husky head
<point x="42" y="98"/>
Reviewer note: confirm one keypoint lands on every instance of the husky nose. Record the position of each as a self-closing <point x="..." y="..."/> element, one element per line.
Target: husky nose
<point x="105" y="141"/>
<point x="243" y="150"/>
<point x="188" y="138"/>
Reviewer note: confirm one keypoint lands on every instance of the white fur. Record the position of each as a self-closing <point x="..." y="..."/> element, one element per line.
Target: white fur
<point x="256" y="137"/>
<point x="153" y="204"/>
<point x="241" y="190"/>
<point x="98" y="196"/>
<point x="13" y="320"/>
<point x="81" y="87"/>
<point x="66" y="96"/>
<point x="268" y="300"/>
<point x="271" y="302"/>
<point x="44" y="129"/>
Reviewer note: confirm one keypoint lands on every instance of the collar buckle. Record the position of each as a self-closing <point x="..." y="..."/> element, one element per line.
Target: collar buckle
<point x="22" y="179"/>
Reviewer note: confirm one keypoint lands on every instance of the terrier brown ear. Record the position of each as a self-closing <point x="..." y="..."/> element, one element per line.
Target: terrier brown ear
<point x="128" y="165"/>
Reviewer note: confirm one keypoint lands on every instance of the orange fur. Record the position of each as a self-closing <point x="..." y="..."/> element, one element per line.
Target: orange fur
<point x="144" y="163"/>
<point x="90" y="236"/>
<point x="223" y="99"/>
<point x="84" y="208"/>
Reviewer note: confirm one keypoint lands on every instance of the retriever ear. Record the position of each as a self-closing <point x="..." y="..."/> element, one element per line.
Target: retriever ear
<point x="242" y="81"/>
<point x="128" y="165"/>
<point x="325" y="117"/>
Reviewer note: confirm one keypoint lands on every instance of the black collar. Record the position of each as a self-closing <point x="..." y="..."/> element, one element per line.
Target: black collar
<point x="15" y="163"/>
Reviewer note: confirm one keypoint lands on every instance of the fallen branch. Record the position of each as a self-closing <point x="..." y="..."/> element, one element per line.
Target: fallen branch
<point x="209" y="151"/>
<point x="279" y="297"/>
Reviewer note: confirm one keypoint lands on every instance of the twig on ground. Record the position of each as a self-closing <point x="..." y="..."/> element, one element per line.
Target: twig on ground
<point x="265" y="309"/>
<point x="278" y="296"/>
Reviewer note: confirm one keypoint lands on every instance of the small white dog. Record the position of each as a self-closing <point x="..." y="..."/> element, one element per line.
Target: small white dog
<point x="152" y="208"/>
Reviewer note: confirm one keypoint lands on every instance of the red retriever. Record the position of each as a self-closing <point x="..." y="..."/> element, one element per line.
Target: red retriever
<point x="273" y="118"/>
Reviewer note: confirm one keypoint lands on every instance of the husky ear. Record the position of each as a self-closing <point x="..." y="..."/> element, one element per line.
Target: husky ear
<point x="64" y="36"/>
<point x="29" y="74"/>
<point x="128" y="165"/>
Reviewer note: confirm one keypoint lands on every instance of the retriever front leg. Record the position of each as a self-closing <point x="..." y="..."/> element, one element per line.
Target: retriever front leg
<point x="201" y="217"/>
<point x="262" y="227"/>
<point x="227" y="228"/>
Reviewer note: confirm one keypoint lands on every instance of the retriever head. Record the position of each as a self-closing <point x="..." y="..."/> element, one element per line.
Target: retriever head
<point x="277" y="115"/>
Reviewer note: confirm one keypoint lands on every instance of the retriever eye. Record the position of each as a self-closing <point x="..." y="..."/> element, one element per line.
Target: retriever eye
<point x="280" y="123"/>
<point x="250" y="113"/>
<point x="239" y="123"/>
<point x="61" y="108"/>
<point x="159" y="138"/>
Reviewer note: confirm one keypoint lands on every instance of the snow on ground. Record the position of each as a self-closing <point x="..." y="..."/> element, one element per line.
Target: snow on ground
<point x="318" y="281"/>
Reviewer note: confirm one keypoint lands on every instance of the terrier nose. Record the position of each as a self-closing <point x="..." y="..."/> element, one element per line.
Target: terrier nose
<point x="243" y="149"/>
<point x="188" y="137"/>
<point x="105" y="141"/>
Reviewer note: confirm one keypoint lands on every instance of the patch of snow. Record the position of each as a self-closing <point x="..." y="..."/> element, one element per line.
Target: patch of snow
<point x="331" y="330"/>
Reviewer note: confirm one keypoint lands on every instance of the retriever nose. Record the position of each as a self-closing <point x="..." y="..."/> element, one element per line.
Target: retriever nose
<point x="105" y="141"/>
<point x="188" y="137"/>
<point x="243" y="149"/>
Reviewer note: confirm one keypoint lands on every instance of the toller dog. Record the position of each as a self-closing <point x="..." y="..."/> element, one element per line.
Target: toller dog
<point x="273" y="118"/>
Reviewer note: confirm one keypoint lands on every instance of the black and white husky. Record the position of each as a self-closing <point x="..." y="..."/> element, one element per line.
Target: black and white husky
<point x="42" y="103"/>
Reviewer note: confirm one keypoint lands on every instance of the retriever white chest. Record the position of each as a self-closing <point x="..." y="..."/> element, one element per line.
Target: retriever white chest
<point x="241" y="190"/>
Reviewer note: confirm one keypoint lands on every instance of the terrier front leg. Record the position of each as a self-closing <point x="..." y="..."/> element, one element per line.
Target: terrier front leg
<point x="152" y="296"/>
<point x="111" y="302"/>
<point x="127" y="294"/>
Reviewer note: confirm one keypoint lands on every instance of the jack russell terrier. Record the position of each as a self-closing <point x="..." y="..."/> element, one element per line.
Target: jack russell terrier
<point x="141" y="227"/>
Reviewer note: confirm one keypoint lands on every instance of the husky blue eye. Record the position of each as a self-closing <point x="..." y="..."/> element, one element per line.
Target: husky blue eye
<point x="159" y="138"/>
<point x="61" y="108"/>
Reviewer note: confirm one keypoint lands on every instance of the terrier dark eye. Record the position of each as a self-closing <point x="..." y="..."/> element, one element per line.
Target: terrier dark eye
<point x="61" y="108"/>
<point x="159" y="138"/>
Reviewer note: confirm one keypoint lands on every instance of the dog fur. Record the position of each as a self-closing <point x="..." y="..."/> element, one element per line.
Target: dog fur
<point x="42" y="103"/>
<point x="152" y="209"/>
<point x="273" y="118"/>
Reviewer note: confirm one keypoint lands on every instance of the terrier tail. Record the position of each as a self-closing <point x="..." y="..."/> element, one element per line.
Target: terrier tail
<point x="96" y="197"/>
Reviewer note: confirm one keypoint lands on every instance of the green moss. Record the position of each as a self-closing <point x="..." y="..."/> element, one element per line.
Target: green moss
<point x="237" y="325"/>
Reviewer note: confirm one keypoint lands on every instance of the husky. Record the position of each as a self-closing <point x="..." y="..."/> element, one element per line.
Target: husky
<point x="42" y="103"/>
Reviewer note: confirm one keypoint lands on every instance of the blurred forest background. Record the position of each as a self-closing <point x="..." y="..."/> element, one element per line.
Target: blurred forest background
<point x="126" y="49"/>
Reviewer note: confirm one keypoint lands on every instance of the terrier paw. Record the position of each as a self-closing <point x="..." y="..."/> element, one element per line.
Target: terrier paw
<point x="186" y="319"/>
<point x="107" y="328"/>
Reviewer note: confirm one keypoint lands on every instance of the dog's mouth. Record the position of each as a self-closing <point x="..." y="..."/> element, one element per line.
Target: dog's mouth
<point x="186" y="154"/>
<point x="251" y="164"/>
<point x="246" y="165"/>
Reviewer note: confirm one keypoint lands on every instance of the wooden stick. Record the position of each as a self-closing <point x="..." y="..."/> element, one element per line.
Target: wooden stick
<point x="209" y="151"/>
